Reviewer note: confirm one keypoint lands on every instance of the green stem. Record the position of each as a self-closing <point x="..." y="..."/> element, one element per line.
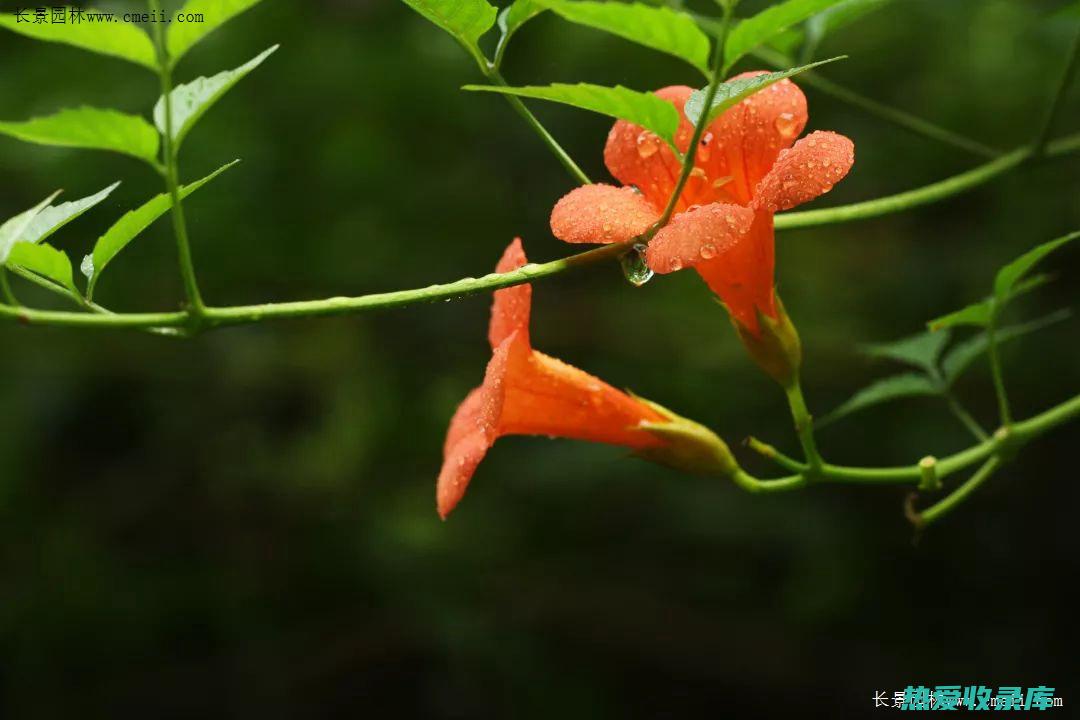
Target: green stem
<point x="576" y="172"/>
<point x="804" y="425"/>
<point x="765" y="450"/>
<point x="961" y="414"/>
<point x="957" y="496"/>
<point x="906" y="200"/>
<point x="5" y="289"/>
<point x="172" y="181"/>
<point x="247" y="314"/>
<point x="900" y="118"/>
<point x="84" y="303"/>
<point x="996" y="371"/>
<point x="751" y="484"/>
<point x="1054" y="110"/>
<point x="702" y="123"/>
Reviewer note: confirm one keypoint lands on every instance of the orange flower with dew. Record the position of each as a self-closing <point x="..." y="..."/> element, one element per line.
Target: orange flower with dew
<point x="528" y="393"/>
<point x="748" y="167"/>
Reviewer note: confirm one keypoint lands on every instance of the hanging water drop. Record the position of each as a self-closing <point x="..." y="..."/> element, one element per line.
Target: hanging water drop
<point x="786" y="125"/>
<point x="635" y="269"/>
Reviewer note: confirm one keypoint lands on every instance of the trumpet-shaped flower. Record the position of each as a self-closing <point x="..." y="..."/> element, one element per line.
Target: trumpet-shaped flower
<point x="748" y="166"/>
<point x="528" y="393"/>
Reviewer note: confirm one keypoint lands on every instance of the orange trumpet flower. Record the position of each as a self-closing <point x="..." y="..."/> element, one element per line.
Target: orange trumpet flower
<point x="528" y="393"/>
<point x="747" y="167"/>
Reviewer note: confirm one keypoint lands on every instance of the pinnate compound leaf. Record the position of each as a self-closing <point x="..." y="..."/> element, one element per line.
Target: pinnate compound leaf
<point x="644" y="109"/>
<point x="732" y="92"/>
<point x="128" y="227"/>
<point x="961" y="355"/>
<point x="54" y="217"/>
<point x="191" y="101"/>
<point x="117" y="39"/>
<point x="1008" y="281"/>
<point x="921" y="351"/>
<point x="13" y="229"/>
<point x="92" y="129"/>
<point x="893" y="387"/>
<point x="465" y="20"/>
<point x="659" y="28"/>
<point x="1011" y="282"/>
<point x="46" y="261"/>
<point x="182" y="36"/>
<point x="760" y="28"/>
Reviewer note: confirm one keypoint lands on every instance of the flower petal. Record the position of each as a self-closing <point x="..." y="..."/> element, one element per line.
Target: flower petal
<point x="742" y="276"/>
<point x="545" y="396"/>
<point x="601" y="214"/>
<point x="476" y="425"/>
<point x="805" y="171"/>
<point x="698" y="235"/>
<point x="638" y="157"/>
<point x="511" y="306"/>
<point x="741" y="145"/>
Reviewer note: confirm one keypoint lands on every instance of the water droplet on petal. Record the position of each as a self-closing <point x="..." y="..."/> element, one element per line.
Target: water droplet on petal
<point x="705" y="149"/>
<point x="708" y="251"/>
<point x="636" y="271"/>
<point x="786" y="125"/>
<point x="647" y="144"/>
<point x="674" y="265"/>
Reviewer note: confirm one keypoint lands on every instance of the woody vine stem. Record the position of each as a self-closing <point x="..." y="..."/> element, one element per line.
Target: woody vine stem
<point x="992" y="452"/>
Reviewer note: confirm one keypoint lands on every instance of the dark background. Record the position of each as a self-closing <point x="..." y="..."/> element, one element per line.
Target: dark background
<point x="243" y="525"/>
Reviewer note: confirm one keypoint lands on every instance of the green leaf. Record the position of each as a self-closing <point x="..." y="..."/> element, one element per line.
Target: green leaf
<point x="90" y="128"/>
<point x="191" y="101"/>
<point x="831" y="19"/>
<point x="890" y="388"/>
<point x="921" y="351"/>
<point x="960" y="357"/>
<point x="215" y="13"/>
<point x="732" y="92"/>
<point x="1008" y="277"/>
<point x="512" y="18"/>
<point x="134" y="222"/>
<point x="758" y="29"/>
<point x="45" y="260"/>
<point x="54" y="217"/>
<point x="12" y="230"/>
<point x="644" y="109"/>
<point x="978" y="314"/>
<point x="465" y="20"/>
<point x="659" y="28"/>
<point x="118" y="39"/>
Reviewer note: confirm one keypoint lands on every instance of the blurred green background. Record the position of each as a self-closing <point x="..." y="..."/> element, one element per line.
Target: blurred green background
<point x="243" y="525"/>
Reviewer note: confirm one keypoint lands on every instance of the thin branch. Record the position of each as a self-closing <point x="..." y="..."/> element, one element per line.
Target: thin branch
<point x="965" y="418"/>
<point x="1054" y="110"/>
<point x="172" y="180"/>
<point x="572" y="167"/>
<point x="957" y="496"/>
<point x="702" y="123"/>
<point x="896" y="116"/>
<point x="925" y="195"/>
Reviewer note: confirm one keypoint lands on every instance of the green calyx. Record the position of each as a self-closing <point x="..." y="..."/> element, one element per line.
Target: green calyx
<point x="688" y="446"/>
<point x="775" y="347"/>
